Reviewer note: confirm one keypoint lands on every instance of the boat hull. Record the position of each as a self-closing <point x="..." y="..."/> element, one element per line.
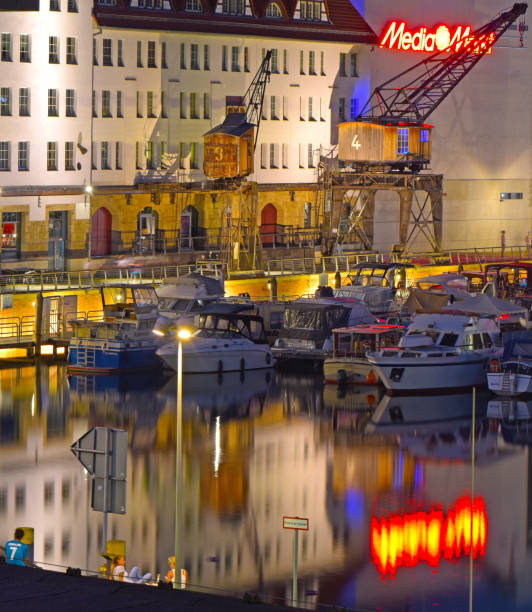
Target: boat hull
<point x="418" y="375"/>
<point x="509" y="384"/>
<point x="220" y="360"/>
<point x="349" y="372"/>
<point x="111" y="357"/>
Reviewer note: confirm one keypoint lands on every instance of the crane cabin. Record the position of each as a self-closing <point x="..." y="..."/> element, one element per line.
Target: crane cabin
<point x="228" y="147"/>
<point x="364" y="143"/>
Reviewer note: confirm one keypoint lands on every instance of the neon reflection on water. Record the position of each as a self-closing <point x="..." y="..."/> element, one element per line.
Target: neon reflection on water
<point x="404" y="540"/>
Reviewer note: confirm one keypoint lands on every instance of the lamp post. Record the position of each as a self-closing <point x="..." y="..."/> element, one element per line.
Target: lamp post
<point x="88" y="194"/>
<point x="182" y="336"/>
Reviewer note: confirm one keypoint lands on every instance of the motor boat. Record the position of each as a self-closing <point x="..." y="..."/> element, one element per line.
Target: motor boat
<point x="512" y="376"/>
<point x="223" y="342"/>
<point x="439" y="352"/>
<point x="348" y="364"/>
<point x="122" y="341"/>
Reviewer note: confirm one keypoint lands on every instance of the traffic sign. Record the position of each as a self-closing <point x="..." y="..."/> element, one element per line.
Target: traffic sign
<point x="95" y="447"/>
<point x="116" y="495"/>
<point x="295" y="522"/>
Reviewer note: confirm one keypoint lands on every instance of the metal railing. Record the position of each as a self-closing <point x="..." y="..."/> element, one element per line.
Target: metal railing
<point x="312" y="265"/>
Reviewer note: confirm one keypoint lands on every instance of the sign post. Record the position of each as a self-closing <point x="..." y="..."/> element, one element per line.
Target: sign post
<point x="296" y="523"/>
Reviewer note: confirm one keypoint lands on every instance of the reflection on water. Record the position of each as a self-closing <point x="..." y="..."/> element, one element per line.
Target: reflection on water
<point x="260" y="446"/>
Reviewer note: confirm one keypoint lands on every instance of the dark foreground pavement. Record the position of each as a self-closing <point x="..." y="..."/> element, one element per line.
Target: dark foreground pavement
<point x="24" y="589"/>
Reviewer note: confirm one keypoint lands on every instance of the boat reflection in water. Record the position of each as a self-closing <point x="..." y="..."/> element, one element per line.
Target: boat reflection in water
<point x="515" y="419"/>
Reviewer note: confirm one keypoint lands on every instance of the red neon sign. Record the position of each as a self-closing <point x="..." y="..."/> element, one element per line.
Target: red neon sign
<point x="398" y="37"/>
<point x="409" y="539"/>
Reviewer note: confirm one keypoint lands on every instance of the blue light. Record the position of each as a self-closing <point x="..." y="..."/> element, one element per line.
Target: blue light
<point x="354" y="507"/>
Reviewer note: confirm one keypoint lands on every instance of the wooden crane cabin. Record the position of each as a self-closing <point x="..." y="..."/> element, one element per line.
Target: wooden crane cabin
<point x="395" y="145"/>
<point x="228" y="147"/>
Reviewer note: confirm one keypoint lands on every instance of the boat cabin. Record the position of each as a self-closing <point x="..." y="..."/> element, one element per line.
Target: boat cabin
<point x="393" y="275"/>
<point x="512" y="281"/>
<point x="231" y="324"/>
<point x="357" y="340"/>
<point x="134" y="302"/>
<point x="312" y="322"/>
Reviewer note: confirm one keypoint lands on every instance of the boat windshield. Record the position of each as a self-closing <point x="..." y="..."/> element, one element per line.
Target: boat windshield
<point x="145" y="296"/>
<point x="433" y="335"/>
<point x="302" y="319"/>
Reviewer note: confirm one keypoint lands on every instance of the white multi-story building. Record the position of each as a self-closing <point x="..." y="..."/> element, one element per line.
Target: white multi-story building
<point x="127" y="96"/>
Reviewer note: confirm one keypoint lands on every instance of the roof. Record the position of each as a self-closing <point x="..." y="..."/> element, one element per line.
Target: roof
<point x="367" y="329"/>
<point x="234" y="124"/>
<point x="511" y="264"/>
<point x="345" y="22"/>
<point x="484" y="305"/>
<point x="224" y="309"/>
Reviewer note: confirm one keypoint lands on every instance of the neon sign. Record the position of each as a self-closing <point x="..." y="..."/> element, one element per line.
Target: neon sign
<point x="404" y="540"/>
<point x="398" y="37"/>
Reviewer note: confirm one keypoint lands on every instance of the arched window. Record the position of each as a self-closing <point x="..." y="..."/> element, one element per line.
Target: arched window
<point x="310" y="10"/>
<point x="274" y="10"/>
<point x="193" y="6"/>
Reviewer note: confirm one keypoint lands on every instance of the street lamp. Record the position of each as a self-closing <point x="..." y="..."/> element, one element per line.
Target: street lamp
<point x="183" y="335"/>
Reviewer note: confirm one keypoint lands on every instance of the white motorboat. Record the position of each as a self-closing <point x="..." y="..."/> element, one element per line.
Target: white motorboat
<point x="224" y="342"/>
<point x="348" y="364"/>
<point x="512" y="376"/>
<point x="439" y="353"/>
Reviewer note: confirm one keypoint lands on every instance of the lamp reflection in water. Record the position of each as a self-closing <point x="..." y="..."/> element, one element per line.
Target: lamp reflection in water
<point x="407" y="539"/>
<point x="183" y="335"/>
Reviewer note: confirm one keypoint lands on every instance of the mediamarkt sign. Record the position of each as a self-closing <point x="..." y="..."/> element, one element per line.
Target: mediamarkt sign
<point x="442" y="37"/>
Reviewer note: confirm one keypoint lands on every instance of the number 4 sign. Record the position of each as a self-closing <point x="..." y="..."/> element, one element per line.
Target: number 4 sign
<point x="356" y="143"/>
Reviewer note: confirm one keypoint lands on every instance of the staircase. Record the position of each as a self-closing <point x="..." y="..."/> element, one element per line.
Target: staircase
<point x="508" y="383"/>
<point x="86" y="356"/>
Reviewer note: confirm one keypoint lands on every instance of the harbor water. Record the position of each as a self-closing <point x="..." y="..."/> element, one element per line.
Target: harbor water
<point x="388" y="485"/>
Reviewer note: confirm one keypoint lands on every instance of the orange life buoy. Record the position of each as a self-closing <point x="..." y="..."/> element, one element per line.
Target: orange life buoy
<point x="495" y="366"/>
<point x="371" y="379"/>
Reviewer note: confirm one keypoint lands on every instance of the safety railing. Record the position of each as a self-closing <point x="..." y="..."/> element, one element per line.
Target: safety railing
<point x="310" y="265"/>
<point x="477" y="255"/>
<point x="16" y="329"/>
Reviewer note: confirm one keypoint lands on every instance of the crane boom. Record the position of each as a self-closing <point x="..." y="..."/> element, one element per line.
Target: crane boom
<point x="411" y="96"/>
<point x="254" y="97"/>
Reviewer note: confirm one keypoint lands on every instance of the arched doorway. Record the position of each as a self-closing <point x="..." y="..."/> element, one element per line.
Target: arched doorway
<point x="188" y="228"/>
<point x="101" y="231"/>
<point x="268" y="224"/>
<point x="147" y="226"/>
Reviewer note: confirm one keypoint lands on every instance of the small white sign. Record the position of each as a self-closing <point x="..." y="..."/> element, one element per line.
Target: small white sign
<point x="295" y="522"/>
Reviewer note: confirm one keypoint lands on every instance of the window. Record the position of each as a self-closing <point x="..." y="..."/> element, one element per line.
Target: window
<point x="206" y="65"/>
<point x="65" y="491"/>
<point x="353" y="111"/>
<point x="119" y="105"/>
<point x="4" y="156"/>
<point x="138" y="153"/>
<point x="307" y="218"/>
<point x="353" y="65"/>
<point x="194" y="106"/>
<point x="193" y="6"/>
<point x="424" y="135"/>
<point x="164" y="152"/>
<point x="183" y="154"/>
<point x="274" y="10"/>
<point x="139" y="54"/>
<point x="163" y="55"/>
<point x="235" y="59"/>
<point x="24" y="102"/>
<point x="285" y="108"/>
<point x="94" y="109"/>
<point x="273" y="108"/>
<point x="301" y="111"/>
<point x="515" y="195"/>
<point x="107" y="59"/>
<point x="106" y="104"/>
<point x="51" y="156"/>
<point x="310" y="156"/>
<point x="206" y="106"/>
<point x="72" y="6"/>
<point x="6" y="47"/>
<point x="163" y="104"/>
<point x="70" y="103"/>
<point x="194" y="155"/>
<point x="285" y="61"/>
<point x="71" y="51"/>
<point x="149" y="104"/>
<point x="402" y="141"/>
<point x="94" y="52"/>
<point x="104" y="156"/>
<point x="151" y="54"/>
<point x="139" y="104"/>
<point x="341" y="109"/>
<point x="20" y="497"/>
<point x="323" y="109"/>
<point x="54" y="5"/>
<point x="3" y="500"/>
<point x="275" y="62"/>
<point x="311" y="62"/>
<point x="246" y="59"/>
<point x="182" y="105"/>
<point x="285" y="155"/>
<point x="341" y="67"/>
<point x="118" y="155"/>
<point x="5" y="101"/>
<point x="25" y="48"/>
<point x="69" y="156"/>
<point x="263" y="155"/>
<point x="487" y="340"/>
<point x="23" y="156"/>
<point x="183" y="57"/>
<point x="94" y="155"/>
<point x="120" y="53"/>
<point x="53" y="50"/>
<point x="310" y="10"/>
<point x="322" y="63"/>
<point x="310" y="110"/>
<point x="194" y="59"/>
<point x="53" y="110"/>
<point x="301" y="155"/>
<point x="224" y="57"/>
<point x="274" y="156"/>
<point x="301" y="62"/>
<point x="233" y="7"/>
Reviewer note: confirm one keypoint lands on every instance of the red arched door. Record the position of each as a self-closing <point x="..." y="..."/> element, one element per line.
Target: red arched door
<point x="101" y="225"/>
<point x="268" y="224"/>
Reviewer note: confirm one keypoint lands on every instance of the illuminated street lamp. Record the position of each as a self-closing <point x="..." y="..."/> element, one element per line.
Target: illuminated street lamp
<point x="183" y="335"/>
